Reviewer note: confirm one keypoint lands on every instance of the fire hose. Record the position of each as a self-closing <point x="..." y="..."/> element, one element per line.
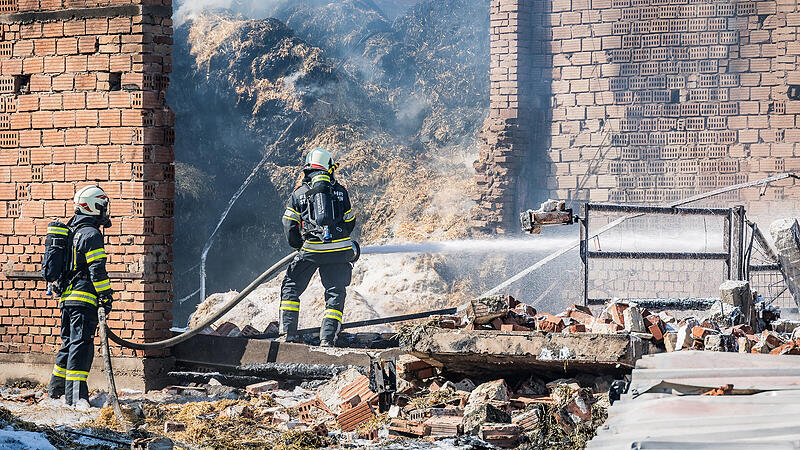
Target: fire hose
<point x="106" y="333"/>
<point x="175" y="340"/>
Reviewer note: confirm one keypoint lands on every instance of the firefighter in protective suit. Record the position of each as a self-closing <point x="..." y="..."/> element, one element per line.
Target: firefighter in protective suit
<point x="318" y="222"/>
<point x="88" y="288"/>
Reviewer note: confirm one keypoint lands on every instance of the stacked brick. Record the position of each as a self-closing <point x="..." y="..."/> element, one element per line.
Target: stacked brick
<point x="505" y="134"/>
<point x="82" y="86"/>
<point x="652" y="100"/>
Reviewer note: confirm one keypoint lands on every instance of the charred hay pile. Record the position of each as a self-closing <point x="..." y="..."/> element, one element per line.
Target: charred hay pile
<point x="400" y="104"/>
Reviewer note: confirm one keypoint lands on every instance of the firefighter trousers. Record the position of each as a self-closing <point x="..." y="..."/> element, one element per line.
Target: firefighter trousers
<point x="74" y="359"/>
<point x="335" y="274"/>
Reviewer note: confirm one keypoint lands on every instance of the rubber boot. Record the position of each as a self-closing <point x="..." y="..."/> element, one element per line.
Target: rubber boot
<point x="56" y="387"/>
<point x="329" y="332"/>
<point x="288" y="326"/>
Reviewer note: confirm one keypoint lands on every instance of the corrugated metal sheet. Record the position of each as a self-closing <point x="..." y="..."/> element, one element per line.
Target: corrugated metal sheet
<point x="663" y="411"/>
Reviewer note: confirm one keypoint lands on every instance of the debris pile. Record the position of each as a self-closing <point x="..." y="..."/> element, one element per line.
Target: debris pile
<point x="505" y="415"/>
<point x="505" y="313"/>
<point x="349" y="409"/>
<point x="740" y="321"/>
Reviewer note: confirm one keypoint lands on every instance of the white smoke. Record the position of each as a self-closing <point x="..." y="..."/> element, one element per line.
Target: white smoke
<point x="253" y="9"/>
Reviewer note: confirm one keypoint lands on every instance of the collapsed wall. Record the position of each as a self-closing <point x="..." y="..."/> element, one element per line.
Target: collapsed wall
<point x="647" y="101"/>
<point x="82" y="86"/>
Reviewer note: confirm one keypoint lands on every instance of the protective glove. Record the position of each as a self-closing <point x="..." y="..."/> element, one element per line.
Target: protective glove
<point x="106" y="301"/>
<point x="356" y="252"/>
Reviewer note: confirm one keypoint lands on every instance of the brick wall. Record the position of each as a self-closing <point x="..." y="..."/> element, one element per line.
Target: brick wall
<point x="82" y="86"/>
<point x="649" y="101"/>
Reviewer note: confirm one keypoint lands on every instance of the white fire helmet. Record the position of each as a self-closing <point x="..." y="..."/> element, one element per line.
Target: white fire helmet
<point x="91" y="201"/>
<point x="319" y="158"/>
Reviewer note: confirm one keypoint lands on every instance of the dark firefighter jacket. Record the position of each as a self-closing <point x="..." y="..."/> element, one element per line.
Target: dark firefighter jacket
<point x="88" y="276"/>
<point x="297" y="223"/>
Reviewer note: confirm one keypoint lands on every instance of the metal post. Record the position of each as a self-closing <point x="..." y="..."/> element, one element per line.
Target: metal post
<point x="726" y="243"/>
<point x="739" y="212"/>
<point x="584" y="250"/>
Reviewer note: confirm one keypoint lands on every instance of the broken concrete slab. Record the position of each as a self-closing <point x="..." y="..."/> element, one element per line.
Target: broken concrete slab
<point x="738" y="294"/>
<point x="481" y="414"/>
<point x="492" y="391"/>
<point x="264" y="386"/>
<point x="226" y="353"/>
<point x="482" y="352"/>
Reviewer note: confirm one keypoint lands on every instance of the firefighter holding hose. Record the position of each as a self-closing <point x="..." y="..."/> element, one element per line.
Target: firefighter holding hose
<point x="318" y="222"/>
<point x="75" y="264"/>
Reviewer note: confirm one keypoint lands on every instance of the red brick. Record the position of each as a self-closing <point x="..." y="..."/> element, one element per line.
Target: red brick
<point x="99" y="136"/>
<point x="75" y="172"/>
<point x="120" y="63"/>
<point x="44" y="47"/>
<point x="96" y="100"/>
<point x="75" y="27"/>
<point x="67" y="46"/>
<point x="21" y="173"/>
<point x="8" y="191"/>
<point x="132" y="117"/>
<point x="122" y="135"/>
<point x="20" y="121"/>
<point x="87" y="44"/>
<point x="97" y="26"/>
<point x="352" y="418"/>
<point x="110" y="118"/>
<point x="63" y="155"/>
<point x="119" y="99"/>
<point x="63" y="82"/>
<point x="33" y="65"/>
<point x="55" y="209"/>
<point x="87" y="154"/>
<point x="23" y="48"/>
<point x="31" y="30"/>
<point x="86" y="118"/>
<point x="77" y="63"/>
<point x="74" y="100"/>
<point x="54" y="64"/>
<point x="12" y="66"/>
<point x="32" y="209"/>
<point x="52" y="102"/>
<point x="24" y="226"/>
<point x="64" y="119"/>
<point x="75" y="136"/>
<point x="53" y="137"/>
<point x="39" y="83"/>
<point x="42" y="119"/>
<point x="616" y="310"/>
<point x="63" y="191"/>
<point x="55" y="28"/>
<point x="109" y="153"/>
<point x="119" y="25"/>
<point x="655" y="330"/>
<point x="85" y="81"/>
<point x="41" y="155"/>
<point x="699" y="333"/>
